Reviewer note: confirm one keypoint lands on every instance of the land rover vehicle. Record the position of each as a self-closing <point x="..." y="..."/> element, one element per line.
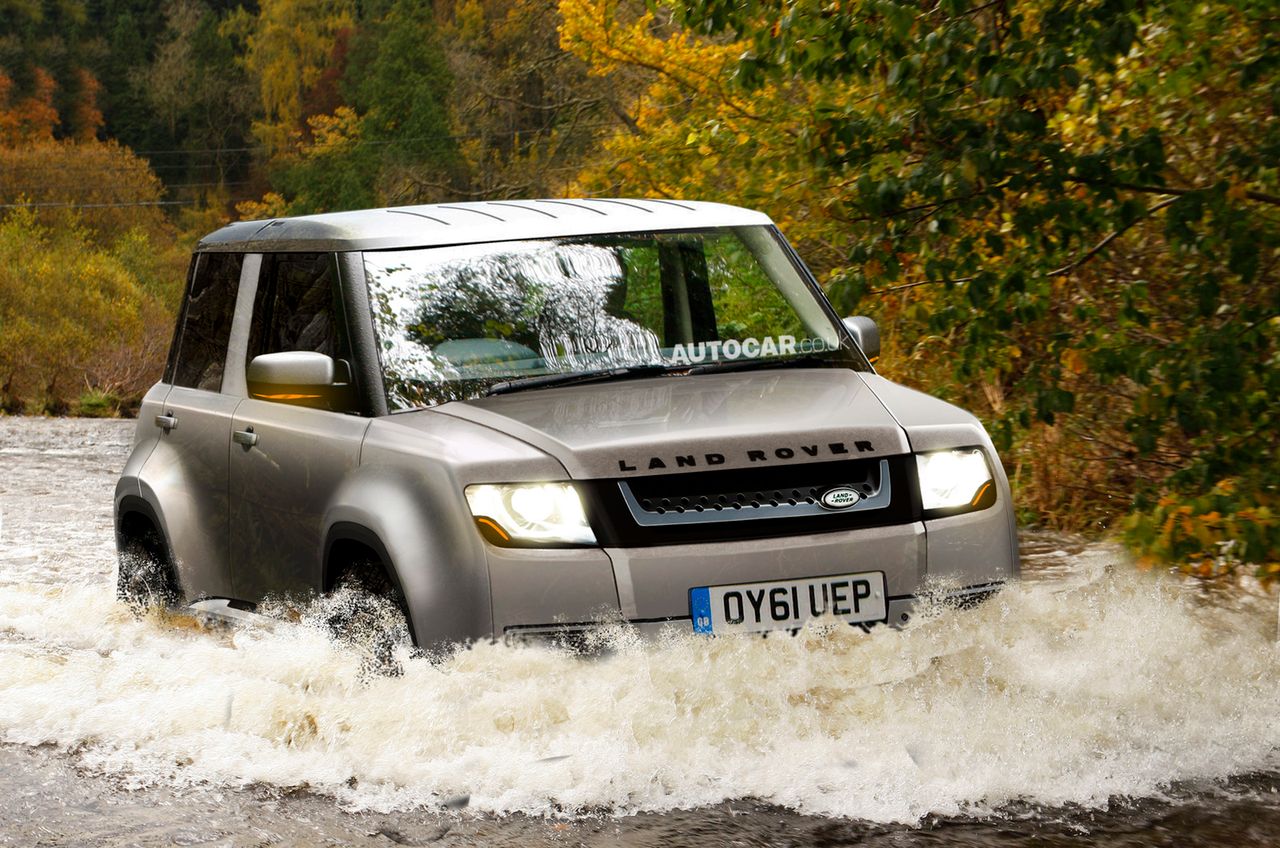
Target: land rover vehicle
<point x="522" y="418"/>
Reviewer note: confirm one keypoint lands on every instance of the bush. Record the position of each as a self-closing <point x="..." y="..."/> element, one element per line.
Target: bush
<point x="101" y="187"/>
<point x="98" y="404"/>
<point x="1234" y="525"/>
<point x="76" y="313"/>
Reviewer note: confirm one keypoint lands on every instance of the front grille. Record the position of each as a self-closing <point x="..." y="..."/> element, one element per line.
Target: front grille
<point x="684" y="503"/>
<point x="748" y="503"/>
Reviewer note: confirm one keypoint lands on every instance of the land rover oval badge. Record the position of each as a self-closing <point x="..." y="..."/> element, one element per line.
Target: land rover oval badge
<point x="841" y="497"/>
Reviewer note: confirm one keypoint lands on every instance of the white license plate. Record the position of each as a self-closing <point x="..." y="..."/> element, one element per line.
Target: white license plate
<point x="788" y="604"/>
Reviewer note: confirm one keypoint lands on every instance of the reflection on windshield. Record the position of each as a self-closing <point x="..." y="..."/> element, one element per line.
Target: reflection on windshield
<point x="453" y="321"/>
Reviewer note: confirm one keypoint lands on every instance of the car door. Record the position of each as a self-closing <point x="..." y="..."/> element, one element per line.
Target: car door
<point x="289" y="459"/>
<point x="186" y="474"/>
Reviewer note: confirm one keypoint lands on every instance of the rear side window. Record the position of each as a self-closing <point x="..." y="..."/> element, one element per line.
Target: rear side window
<point x="201" y="344"/>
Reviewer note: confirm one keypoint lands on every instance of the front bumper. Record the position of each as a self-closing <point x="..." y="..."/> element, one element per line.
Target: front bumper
<point x="549" y="590"/>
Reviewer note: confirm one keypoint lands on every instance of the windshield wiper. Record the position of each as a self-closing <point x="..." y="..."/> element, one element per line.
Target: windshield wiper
<point x="543" y="381"/>
<point x="773" y="362"/>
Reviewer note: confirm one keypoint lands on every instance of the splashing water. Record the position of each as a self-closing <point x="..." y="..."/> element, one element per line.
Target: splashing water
<point x="1098" y="682"/>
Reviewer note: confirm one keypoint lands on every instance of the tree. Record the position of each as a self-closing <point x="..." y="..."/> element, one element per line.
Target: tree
<point x="398" y="80"/>
<point x="689" y="132"/>
<point x="527" y="111"/>
<point x="28" y="119"/>
<point x="287" y="46"/>
<point x="1069" y="207"/>
<point x="74" y="316"/>
<point x="201" y="95"/>
<point x="100" y="186"/>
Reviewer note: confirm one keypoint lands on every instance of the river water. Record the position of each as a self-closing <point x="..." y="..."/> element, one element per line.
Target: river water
<point x="1091" y="702"/>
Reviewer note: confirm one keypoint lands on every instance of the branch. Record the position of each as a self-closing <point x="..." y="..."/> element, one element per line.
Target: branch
<point x="1100" y="246"/>
<point x="892" y="289"/>
<point x="628" y="121"/>
<point x="1058" y="272"/>
<point x="1260" y="197"/>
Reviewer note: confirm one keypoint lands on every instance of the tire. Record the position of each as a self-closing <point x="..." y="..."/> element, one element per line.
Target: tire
<point x="367" y="611"/>
<point x="145" y="577"/>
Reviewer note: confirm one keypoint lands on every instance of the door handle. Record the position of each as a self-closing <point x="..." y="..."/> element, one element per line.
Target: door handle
<point x="245" y="437"/>
<point x="168" y="421"/>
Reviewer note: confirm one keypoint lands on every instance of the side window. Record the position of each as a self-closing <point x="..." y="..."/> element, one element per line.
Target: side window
<point x="201" y="343"/>
<point x="298" y="307"/>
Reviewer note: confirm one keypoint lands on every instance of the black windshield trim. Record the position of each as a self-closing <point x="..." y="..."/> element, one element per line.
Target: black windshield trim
<point x="572" y="378"/>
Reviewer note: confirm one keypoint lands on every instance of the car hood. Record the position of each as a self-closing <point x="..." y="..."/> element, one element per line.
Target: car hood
<point x="666" y="425"/>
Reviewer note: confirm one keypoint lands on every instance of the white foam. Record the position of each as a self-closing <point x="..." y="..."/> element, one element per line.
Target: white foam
<point x="1108" y="683"/>
<point x="1113" y="688"/>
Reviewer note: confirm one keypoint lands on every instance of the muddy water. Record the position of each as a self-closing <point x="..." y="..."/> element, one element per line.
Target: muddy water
<point x="1090" y="701"/>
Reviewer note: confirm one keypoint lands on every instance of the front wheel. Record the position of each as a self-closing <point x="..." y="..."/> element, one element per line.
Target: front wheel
<point x="367" y="611"/>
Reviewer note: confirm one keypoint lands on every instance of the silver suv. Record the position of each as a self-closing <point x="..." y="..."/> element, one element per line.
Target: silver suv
<point x="519" y="419"/>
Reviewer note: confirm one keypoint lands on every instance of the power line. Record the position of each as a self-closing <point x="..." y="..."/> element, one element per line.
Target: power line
<point x="380" y="142"/>
<point x="48" y="188"/>
<point x="96" y="205"/>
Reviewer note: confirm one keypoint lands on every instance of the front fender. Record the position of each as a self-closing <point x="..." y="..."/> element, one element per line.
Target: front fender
<point x="431" y="547"/>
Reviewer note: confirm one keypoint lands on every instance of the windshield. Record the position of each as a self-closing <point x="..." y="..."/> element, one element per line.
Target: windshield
<point x="457" y="322"/>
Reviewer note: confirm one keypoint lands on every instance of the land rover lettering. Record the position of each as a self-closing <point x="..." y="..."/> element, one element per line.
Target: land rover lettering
<point x="782" y="454"/>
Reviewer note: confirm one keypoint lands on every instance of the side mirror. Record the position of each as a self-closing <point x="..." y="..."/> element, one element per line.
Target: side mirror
<point x="866" y="334"/>
<point x="300" y="377"/>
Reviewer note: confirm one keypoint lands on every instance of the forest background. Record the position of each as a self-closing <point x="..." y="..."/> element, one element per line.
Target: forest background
<point x="1065" y="216"/>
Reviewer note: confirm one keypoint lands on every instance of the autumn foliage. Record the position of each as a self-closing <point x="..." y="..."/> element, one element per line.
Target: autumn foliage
<point x="1064" y="215"/>
<point x="89" y="274"/>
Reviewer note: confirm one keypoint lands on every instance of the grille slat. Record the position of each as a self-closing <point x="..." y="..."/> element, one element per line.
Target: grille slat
<point x="650" y="508"/>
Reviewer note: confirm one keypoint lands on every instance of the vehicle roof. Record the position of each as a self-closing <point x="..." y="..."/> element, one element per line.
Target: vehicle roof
<point x="465" y="223"/>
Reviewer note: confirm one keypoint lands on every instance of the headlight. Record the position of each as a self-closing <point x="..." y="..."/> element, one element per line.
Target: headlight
<point x="955" y="480"/>
<point x="530" y="513"/>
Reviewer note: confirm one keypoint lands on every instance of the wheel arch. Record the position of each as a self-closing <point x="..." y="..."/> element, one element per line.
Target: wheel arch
<point x="348" y="535"/>
<point x="135" y="515"/>
<point x="342" y="541"/>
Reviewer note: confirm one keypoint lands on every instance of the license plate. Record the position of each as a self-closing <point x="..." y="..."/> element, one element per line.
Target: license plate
<point x="788" y="604"/>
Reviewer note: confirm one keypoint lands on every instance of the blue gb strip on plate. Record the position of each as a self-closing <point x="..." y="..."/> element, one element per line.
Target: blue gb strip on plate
<point x="700" y="609"/>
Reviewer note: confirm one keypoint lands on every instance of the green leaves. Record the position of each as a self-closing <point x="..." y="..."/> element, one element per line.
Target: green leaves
<point x="1093" y="185"/>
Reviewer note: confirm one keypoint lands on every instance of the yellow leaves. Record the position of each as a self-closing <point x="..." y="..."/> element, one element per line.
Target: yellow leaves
<point x="469" y="19"/>
<point x="73" y="310"/>
<point x="593" y="31"/>
<point x="1068" y="124"/>
<point x="333" y="133"/>
<point x="288" y="45"/>
<point x="1074" y="361"/>
<point x="272" y="205"/>
<point x="112" y="184"/>
<point x="697" y="136"/>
